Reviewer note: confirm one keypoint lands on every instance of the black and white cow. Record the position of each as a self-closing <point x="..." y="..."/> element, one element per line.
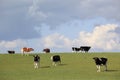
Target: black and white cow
<point x="99" y="62"/>
<point x="11" y="52"/>
<point x="36" y="61"/>
<point x="85" y="48"/>
<point x="75" y="49"/>
<point x="56" y="60"/>
<point x="82" y="49"/>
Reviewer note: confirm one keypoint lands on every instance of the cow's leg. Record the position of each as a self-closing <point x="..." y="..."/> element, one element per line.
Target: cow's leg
<point x="59" y="62"/>
<point x="54" y="63"/>
<point x="22" y="52"/>
<point x="36" y="65"/>
<point x="105" y="67"/>
<point x="25" y="53"/>
<point x="28" y="54"/>
<point x="98" y="68"/>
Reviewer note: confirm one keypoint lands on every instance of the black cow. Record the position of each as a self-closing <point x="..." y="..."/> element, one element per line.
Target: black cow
<point x="56" y="59"/>
<point x="99" y="62"/>
<point x="11" y="52"/>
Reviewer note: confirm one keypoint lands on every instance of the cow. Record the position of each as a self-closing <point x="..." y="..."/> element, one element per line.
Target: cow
<point x="82" y="49"/>
<point x="11" y="52"/>
<point x="75" y="49"/>
<point x="99" y="62"/>
<point x="26" y="50"/>
<point x="36" y="61"/>
<point x="56" y="60"/>
<point x="85" y="48"/>
<point x="46" y="50"/>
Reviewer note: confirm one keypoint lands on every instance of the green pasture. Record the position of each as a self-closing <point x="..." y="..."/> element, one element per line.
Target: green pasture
<point x="74" y="66"/>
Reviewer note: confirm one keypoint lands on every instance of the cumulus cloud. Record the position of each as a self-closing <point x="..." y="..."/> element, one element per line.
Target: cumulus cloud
<point x="29" y="19"/>
<point x="103" y="37"/>
<point x="18" y="18"/>
<point x="56" y="41"/>
<point x="12" y="44"/>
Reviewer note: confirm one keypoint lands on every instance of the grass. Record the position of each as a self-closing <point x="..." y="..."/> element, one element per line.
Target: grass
<point x="75" y="66"/>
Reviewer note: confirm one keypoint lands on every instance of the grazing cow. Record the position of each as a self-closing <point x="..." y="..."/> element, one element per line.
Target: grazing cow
<point x="46" y="50"/>
<point x="99" y="62"/>
<point x="36" y="61"/>
<point x="55" y="59"/>
<point x="25" y="49"/>
<point x="11" y="52"/>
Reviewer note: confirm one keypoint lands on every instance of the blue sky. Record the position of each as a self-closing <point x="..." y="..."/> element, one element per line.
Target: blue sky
<point x="59" y="25"/>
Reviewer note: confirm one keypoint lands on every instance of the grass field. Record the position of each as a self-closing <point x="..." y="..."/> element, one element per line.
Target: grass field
<point x="75" y="66"/>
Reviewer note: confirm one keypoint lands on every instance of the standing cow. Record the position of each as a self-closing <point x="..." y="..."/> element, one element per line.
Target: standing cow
<point x="36" y="61"/>
<point x="75" y="49"/>
<point x="56" y="60"/>
<point x="46" y="50"/>
<point x="85" y="48"/>
<point x="11" y="52"/>
<point x="26" y="50"/>
<point x="82" y="49"/>
<point x="99" y="62"/>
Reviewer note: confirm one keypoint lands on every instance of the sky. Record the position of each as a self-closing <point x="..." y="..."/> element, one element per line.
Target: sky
<point x="60" y="25"/>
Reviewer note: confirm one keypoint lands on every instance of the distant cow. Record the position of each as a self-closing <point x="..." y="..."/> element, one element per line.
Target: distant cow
<point x="82" y="49"/>
<point x="99" y="62"/>
<point x="75" y="49"/>
<point x="25" y="50"/>
<point x="46" y="50"/>
<point x="56" y="59"/>
<point x="11" y="52"/>
<point x="85" y="48"/>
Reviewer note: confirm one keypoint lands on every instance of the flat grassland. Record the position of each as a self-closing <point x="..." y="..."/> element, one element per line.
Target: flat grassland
<point x="74" y="66"/>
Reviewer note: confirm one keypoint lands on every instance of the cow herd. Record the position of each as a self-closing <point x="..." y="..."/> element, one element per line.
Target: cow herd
<point x="56" y="59"/>
<point x="27" y="50"/>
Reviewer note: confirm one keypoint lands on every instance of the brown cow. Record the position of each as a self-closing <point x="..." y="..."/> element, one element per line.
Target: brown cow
<point x="46" y="50"/>
<point x="26" y="50"/>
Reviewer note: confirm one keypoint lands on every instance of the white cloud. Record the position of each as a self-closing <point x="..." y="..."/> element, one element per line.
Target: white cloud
<point x="56" y="41"/>
<point x="12" y="44"/>
<point x="26" y="14"/>
<point x="103" y="37"/>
